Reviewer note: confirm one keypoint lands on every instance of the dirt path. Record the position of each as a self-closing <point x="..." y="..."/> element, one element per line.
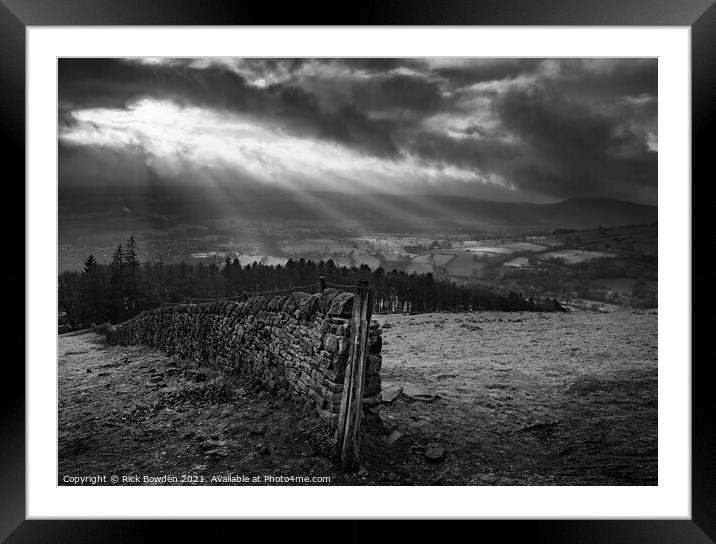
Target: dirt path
<point x="511" y="399"/>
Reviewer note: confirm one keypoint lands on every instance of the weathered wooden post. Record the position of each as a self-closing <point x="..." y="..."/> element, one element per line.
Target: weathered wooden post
<point x="246" y="296"/>
<point x="322" y="283"/>
<point x="352" y="400"/>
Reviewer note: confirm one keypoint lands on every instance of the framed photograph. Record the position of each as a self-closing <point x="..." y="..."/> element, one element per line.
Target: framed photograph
<point x="444" y="252"/>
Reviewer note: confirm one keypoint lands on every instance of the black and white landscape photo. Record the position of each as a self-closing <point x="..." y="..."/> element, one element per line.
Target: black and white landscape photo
<point x="357" y="271"/>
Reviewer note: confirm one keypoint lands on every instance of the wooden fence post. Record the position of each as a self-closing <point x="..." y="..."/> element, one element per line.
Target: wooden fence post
<point x="352" y="400"/>
<point x="322" y="283"/>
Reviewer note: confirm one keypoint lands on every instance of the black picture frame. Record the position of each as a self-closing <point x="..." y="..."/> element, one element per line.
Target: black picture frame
<point x="699" y="15"/>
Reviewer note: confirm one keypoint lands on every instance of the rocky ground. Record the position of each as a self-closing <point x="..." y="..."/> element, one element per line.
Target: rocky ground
<point x="469" y="399"/>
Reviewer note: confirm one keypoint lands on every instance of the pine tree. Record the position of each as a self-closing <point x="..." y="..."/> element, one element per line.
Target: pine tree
<point x="68" y="296"/>
<point x="93" y="308"/>
<point x="90" y="264"/>
<point x="117" y="281"/>
<point x="132" y="264"/>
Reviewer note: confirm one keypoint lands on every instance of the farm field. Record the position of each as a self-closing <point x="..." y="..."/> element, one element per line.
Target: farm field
<point x="507" y="398"/>
<point x="574" y="256"/>
<point x="517" y="262"/>
<point x="525" y="246"/>
<point x="615" y="284"/>
<point x="490" y="250"/>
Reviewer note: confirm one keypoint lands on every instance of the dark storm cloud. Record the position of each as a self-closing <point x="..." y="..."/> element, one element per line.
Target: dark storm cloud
<point x="482" y="70"/>
<point x="598" y="78"/>
<point x="607" y="78"/>
<point x="377" y="65"/>
<point x="488" y="155"/>
<point x="398" y="91"/>
<point x="552" y="127"/>
<point x="570" y="149"/>
<point x="563" y="148"/>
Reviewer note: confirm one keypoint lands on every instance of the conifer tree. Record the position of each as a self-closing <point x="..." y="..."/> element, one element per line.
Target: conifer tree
<point x="132" y="270"/>
<point x="117" y="281"/>
<point x="93" y="292"/>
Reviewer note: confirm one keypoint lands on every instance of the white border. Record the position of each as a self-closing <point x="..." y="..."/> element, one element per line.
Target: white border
<point x="670" y="499"/>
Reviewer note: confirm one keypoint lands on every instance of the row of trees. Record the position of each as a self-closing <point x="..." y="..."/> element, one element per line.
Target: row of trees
<point x="126" y="286"/>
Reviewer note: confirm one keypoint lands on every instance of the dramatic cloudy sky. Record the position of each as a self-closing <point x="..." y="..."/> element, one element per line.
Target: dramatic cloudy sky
<point x="536" y="130"/>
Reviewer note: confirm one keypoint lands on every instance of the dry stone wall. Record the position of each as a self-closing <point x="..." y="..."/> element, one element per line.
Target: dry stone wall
<point x="297" y="343"/>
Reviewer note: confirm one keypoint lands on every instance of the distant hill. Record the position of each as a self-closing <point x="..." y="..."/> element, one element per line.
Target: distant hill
<point x="595" y="212"/>
<point x="379" y="212"/>
<point x="578" y="213"/>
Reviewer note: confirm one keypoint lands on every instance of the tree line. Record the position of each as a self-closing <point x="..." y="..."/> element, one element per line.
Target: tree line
<point x="126" y="286"/>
